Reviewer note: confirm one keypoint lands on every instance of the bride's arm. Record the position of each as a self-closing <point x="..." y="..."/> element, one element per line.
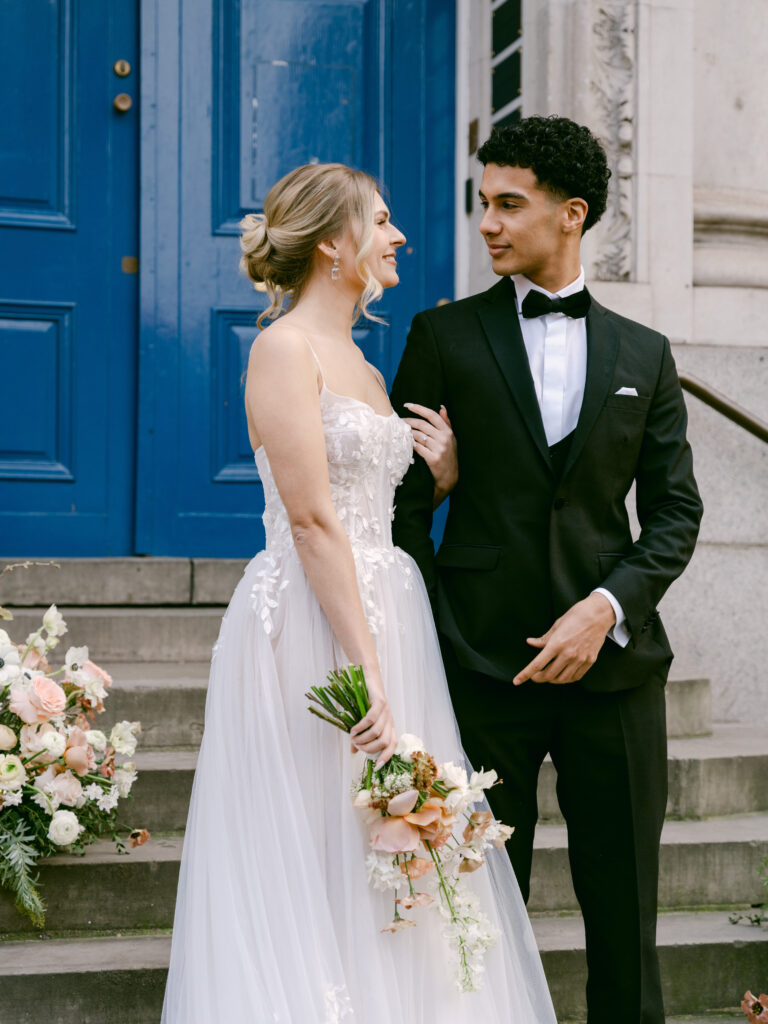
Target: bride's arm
<point x="282" y="400"/>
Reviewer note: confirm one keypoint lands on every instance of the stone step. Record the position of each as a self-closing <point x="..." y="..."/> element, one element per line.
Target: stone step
<point x="702" y="864"/>
<point x="120" y="979"/>
<point x="132" y="634"/>
<point x="726" y="773"/>
<point x="706" y="962"/>
<point x="709" y="776"/>
<point x="89" y="892"/>
<point x="121" y="581"/>
<point x="169" y="700"/>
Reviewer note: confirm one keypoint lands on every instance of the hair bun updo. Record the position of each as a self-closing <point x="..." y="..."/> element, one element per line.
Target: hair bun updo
<point x="310" y="204"/>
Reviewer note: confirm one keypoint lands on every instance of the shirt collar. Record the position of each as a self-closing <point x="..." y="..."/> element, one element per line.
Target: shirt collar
<point x="523" y="285"/>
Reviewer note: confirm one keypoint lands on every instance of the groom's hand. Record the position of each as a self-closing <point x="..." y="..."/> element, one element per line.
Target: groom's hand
<point x="572" y="644"/>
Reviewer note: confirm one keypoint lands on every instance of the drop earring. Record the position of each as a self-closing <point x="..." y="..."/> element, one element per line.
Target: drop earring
<point x="335" y="269"/>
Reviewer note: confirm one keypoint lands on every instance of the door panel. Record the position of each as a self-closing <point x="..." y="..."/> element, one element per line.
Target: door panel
<point x="265" y="86"/>
<point x="68" y="314"/>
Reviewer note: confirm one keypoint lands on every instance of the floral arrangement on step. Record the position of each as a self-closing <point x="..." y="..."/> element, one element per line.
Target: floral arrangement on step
<point x="414" y="808"/>
<point x="60" y="778"/>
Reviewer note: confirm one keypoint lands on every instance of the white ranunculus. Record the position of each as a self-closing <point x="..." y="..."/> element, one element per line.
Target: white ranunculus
<point x="54" y="743"/>
<point x="75" y="658"/>
<point x="53" y="622"/>
<point x="10" y="664"/>
<point x="408" y="745"/>
<point x="13" y="775"/>
<point x="123" y="737"/>
<point x="8" y="738"/>
<point x="97" y="739"/>
<point x="362" y="799"/>
<point x="64" y="828"/>
<point x="124" y="778"/>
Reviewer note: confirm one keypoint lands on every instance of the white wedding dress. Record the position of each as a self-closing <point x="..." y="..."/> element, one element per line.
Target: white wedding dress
<point x="275" y="919"/>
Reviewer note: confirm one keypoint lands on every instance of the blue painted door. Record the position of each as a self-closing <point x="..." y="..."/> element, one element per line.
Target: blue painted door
<point x="68" y="302"/>
<point x="236" y="93"/>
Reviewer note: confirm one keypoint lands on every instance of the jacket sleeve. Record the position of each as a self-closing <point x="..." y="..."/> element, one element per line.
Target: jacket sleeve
<point x="669" y="508"/>
<point x="419" y="379"/>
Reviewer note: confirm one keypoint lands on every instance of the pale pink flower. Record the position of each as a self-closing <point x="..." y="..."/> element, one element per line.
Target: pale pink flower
<point x="394" y="835"/>
<point x="398" y="925"/>
<point x="66" y="787"/>
<point x="31" y="742"/>
<point x="40" y="700"/>
<point x="403" y="803"/>
<point x="95" y="670"/>
<point x="79" y="754"/>
<point x="416" y="899"/>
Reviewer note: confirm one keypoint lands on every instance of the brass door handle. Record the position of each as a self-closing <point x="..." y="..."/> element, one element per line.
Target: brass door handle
<point x="122" y="102"/>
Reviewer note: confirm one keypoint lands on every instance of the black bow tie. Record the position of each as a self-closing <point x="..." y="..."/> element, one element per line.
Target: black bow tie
<point x="538" y="304"/>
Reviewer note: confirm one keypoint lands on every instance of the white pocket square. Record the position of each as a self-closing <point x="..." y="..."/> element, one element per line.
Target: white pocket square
<point x="627" y="391"/>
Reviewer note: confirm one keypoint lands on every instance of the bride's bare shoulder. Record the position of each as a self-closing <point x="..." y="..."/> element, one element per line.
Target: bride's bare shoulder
<point x="280" y="346"/>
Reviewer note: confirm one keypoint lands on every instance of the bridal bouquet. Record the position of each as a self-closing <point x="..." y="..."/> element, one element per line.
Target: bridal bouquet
<point x="422" y="828"/>
<point x="60" y="782"/>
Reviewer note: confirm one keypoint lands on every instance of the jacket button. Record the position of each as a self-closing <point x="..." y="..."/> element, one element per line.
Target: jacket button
<point x="559" y="503"/>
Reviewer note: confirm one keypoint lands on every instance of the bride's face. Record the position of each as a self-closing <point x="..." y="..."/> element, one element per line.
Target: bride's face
<point x="382" y="254"/>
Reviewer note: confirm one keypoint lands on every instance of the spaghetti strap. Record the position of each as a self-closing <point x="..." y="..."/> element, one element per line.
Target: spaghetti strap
<point x="319" y="364"/>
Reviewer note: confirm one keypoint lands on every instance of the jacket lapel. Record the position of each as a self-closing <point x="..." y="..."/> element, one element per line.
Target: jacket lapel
<point x="602" y="349"/>
<point x="501" y="325"/>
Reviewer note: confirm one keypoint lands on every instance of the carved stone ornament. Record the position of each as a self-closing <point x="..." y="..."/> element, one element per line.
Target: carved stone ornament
<point x="613" y="94"/>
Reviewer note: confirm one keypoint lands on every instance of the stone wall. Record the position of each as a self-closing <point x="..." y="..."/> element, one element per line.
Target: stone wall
<point x="675" y="89"/>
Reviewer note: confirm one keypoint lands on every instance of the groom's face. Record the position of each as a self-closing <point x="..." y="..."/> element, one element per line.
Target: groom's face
<point x="522" y="222"/>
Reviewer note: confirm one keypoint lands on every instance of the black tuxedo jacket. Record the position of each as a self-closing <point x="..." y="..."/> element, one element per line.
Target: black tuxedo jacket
<point x="521" y="547"/>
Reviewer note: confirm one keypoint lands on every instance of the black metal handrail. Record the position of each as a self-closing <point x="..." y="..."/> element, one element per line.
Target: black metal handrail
<point x="722" y="404"/>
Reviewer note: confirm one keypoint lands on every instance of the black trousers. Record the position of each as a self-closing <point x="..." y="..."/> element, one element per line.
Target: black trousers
<point x="610" y="754"/>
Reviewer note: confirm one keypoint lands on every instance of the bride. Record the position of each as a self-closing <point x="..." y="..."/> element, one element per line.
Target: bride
<point x="275" y="919"/>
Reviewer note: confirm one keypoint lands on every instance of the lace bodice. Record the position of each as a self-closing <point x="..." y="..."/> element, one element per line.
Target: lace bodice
<point x="368" y="455"/>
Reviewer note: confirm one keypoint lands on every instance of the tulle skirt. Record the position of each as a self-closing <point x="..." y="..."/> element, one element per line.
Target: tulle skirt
<point x="275" y="918"/>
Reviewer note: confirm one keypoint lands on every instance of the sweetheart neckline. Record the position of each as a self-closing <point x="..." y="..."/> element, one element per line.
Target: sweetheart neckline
<point x="349" y="398"/>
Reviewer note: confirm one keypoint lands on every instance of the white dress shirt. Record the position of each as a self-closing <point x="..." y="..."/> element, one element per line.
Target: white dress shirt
<point x="556" y="345"/>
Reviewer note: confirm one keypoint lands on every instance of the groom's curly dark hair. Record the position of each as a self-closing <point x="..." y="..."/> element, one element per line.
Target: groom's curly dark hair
<point x="566" y="158"/>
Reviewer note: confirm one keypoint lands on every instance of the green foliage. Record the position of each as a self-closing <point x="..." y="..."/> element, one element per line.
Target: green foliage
<point x="345" y="702"/>
<point x="18" y="858"/>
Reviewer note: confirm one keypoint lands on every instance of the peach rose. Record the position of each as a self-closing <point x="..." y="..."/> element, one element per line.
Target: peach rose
<point x="31" y="741"/>
<point x="417" y="866"/>
<point x="403" y="803"/>
<point x="38" y="702"/>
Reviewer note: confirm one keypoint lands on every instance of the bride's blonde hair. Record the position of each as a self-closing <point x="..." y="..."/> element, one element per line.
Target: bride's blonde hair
<point x="311" y="204"/>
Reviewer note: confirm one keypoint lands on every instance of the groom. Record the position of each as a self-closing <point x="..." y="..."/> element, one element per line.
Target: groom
<point x="545" y="605"/>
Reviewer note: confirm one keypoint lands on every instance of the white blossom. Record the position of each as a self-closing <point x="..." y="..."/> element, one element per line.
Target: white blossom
<point x="107" y="801"/>
<point x="123" y="737"/>
<point x="10" y="664"/>
<point x="408" y="745"/>
<point x="95" y="690"/>
<point x="53" y="742"/>
<point x="75" y="658"/>
<point x="124" y="777"/>
<point x="53" y="622"/>
<point x="11" y="798"/>
<point x="384" y="871"/>
<point x="97" y="739"/>
<point x="64" y="828"/>
<point x="93" y="791"/>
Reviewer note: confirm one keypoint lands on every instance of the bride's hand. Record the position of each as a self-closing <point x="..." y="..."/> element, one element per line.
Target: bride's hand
<point x="376" y="734"/>
<point x="435" y="442"/>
